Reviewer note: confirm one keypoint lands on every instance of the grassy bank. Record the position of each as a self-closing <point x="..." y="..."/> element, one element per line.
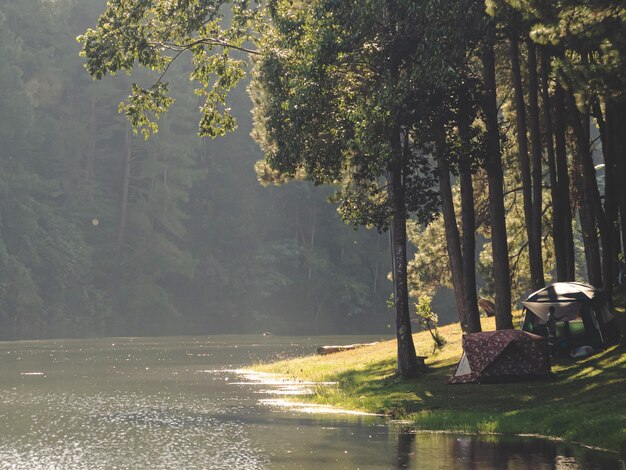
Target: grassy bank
<point x="585" y="402"/>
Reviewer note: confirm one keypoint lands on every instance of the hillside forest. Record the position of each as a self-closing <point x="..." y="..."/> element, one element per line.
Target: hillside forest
<point x="105" y="233"/>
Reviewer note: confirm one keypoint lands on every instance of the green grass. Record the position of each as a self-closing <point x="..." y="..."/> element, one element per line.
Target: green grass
<point x="585" y="402"/>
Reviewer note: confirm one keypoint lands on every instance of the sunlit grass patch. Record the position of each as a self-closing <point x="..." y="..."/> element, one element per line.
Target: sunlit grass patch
<point x="584" y="401"/>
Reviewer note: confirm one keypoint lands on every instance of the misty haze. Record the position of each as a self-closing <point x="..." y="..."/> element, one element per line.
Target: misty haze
<point x="312" y="234"/>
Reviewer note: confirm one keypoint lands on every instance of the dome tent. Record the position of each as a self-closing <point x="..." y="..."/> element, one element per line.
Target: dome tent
<point x="502" y="356"/>
<point x="579" y="315"/>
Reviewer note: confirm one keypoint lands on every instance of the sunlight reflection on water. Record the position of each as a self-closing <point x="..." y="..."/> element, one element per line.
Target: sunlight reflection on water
<point x="182" y="403"/>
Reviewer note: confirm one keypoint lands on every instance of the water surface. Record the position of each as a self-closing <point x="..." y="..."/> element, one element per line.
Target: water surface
<point x="163" y="403"/>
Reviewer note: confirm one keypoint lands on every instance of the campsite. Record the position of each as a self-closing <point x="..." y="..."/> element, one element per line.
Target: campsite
<point x="530" y="380"/>
<point x="581" y="402"/>
<point x="312" y="234"/>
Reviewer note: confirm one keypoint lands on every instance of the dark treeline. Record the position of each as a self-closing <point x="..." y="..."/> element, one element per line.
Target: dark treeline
<point x="471" y="128"/>
<point x="105" y="233"/>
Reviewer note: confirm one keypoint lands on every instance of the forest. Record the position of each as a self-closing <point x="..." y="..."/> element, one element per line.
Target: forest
<point x="477" y="146"/>
<point x="105" y="233"/>
<point x="257" y="234"/>
<point x="414" y="98"/>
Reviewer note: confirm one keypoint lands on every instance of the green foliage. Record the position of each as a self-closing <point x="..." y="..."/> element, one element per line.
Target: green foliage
<point x="592" y="35"/>
<point x="326" y="104"/>
<point x="144" y="107"/>
<point x="428" y="320"/>
<point x="586" y="42"/>
<point x="205" y="249"/>
<point x="202" y="245"/>
<point x="153" y="34"/>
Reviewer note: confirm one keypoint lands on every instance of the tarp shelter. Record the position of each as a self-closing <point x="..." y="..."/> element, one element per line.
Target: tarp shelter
<point x="502" y="356"/>
<point x="579" y="315"/>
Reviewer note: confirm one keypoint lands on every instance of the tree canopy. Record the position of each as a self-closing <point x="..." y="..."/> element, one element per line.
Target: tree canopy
<point x="491" y="129"/>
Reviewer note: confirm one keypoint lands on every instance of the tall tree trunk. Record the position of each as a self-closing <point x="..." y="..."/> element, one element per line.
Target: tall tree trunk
<point x="534" y="255"/>
<point x="588" y="228"/>
<point x="582" y="195"/>
<point x="453" y="240"/>
<point x="606" y="123"/>
<point x="493" y="167"/>
<point x="121" y="231"/>
<point x="407" y="361"/>
<point x="537" y="177"/>
<point x="619" y="136"/>
<point x="560" y="149"/>
<point x="468" y="220"/>
<point x="558" y="224"/>
<point x="591" y="197"/>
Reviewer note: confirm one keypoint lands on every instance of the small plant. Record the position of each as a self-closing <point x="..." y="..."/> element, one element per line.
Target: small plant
<point x="429" y="320"/>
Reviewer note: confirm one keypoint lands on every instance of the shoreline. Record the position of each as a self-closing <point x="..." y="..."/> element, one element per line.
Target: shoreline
<point x="314" y="408"/>
<point x="583" y="404"/>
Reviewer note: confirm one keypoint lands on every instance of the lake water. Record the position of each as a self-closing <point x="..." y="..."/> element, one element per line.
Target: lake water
<point x="181" y="403"/>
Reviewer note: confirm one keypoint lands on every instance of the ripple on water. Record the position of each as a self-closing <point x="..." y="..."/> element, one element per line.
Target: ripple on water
<point x="172" y="406"/>
<point x="126" y="430"/>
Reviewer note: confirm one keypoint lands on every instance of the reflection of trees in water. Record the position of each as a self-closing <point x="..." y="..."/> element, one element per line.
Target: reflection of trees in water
<point x="405" y="449"/>
<point x="472" y="453"/>
<point x="494" y="453"/>
<point x="511" y="453"/>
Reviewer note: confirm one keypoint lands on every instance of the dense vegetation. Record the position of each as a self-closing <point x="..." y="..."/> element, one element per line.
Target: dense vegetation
<point x="471" y="128"/>
<point x="385" y="96"/>
<point x="105" y="233"/>
<point x="387" y="100"/>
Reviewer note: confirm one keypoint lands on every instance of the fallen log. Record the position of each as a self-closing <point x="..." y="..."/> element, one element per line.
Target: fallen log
<point x="323" y="350"/>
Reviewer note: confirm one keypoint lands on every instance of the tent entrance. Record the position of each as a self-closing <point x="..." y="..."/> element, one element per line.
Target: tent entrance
<point x="571" y="313"/>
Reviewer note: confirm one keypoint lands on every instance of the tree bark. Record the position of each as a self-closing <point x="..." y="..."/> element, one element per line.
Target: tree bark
<point x="453" y="240"/>
<point x="408" y="366"/>
<point x="493" y="167"/>
<point x="588" y="228"/>
<point x="619" y="120"/>
<point x="608" y="132"/>
<point x="537" y="177"/>
<point x="468" y="220"/>
<point x="407" y="361"/>
<point x="591" y="197"/>
<point x="560" y="149"/>
<point x="534" y="254"/>
<point x="558" y="224"/>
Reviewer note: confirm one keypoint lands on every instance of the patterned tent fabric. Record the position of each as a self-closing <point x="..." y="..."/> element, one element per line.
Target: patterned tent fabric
<point x="505" y="355"/>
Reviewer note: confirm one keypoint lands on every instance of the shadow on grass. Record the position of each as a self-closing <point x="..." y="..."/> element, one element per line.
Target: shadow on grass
<point x="584" y="401"/>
